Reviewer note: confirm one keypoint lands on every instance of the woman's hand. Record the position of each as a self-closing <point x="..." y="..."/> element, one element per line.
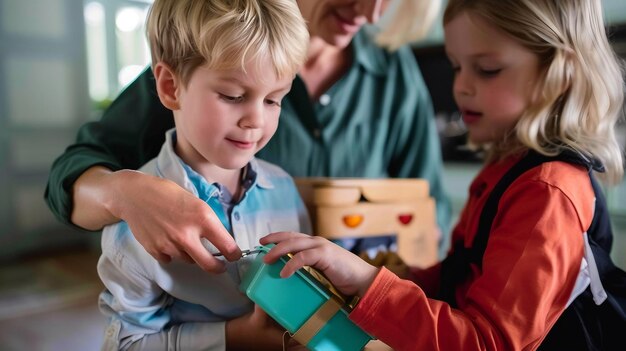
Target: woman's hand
<point x="346" y="271"/>
<point x="165" y="218"/>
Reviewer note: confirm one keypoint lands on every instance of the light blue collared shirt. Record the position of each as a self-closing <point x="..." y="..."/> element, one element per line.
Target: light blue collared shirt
<point x="178" y="306"/>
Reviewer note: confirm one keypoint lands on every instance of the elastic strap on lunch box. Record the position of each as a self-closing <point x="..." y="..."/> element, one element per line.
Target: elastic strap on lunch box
<point x="312" y="326"/>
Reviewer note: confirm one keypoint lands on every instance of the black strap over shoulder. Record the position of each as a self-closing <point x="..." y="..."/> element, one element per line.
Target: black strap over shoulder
<point x="455" y="268"/>
<point x="583" y="325"/>
<point x="531" y="160"/>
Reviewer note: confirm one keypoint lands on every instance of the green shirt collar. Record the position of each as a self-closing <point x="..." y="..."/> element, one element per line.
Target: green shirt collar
<point x="368" y="54"/>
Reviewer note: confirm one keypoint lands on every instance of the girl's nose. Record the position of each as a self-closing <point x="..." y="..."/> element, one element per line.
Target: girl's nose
<point x="462" y="84"/>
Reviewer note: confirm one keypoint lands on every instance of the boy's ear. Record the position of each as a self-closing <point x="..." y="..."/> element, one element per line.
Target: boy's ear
<point x="167" y="85"/>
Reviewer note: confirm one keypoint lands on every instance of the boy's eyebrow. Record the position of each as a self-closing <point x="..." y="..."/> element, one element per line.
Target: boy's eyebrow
<point x="235" y="80"/>
<point x="230" y="79"/>
<point x="286" y="87"/>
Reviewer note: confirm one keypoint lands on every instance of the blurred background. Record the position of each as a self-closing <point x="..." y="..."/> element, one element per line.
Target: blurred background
<point x="61" y="64"/>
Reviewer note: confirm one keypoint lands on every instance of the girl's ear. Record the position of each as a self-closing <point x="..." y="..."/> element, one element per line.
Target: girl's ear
<point x="167" y="85"/>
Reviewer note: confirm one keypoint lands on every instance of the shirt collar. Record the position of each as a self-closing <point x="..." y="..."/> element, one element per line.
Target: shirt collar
<point x="367" y="53"/>
<point x="170" y="166"/>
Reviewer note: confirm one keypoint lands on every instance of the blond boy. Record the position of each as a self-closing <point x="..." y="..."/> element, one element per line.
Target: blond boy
<point x="222" y="67"/>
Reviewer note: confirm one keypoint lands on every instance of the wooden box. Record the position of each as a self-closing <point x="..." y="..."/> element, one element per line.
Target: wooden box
<point x="360" y="208"/>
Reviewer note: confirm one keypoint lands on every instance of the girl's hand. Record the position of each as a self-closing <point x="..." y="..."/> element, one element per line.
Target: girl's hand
<point x="346" y="271"/>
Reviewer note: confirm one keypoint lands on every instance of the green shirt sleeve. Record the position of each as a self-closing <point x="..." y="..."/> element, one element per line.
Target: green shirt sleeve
<point x="130" y="133"/>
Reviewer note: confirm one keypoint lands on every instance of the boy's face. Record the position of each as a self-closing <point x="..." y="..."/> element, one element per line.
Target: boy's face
<point x="494" y="77"/>
<point x="225" y="117"/>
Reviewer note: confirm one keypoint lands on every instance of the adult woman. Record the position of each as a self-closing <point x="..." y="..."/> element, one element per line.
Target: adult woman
<point x="354" y="110"/>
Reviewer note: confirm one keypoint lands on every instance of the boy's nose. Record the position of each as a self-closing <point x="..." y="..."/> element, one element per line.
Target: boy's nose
<point x="370" y="9"/>
<point x="253" y="117"/>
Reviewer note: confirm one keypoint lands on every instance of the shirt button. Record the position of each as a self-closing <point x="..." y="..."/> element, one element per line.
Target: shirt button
<point x="325" y="99"/>
<point x="317" y="133"/>
<point x="236" y="214"/>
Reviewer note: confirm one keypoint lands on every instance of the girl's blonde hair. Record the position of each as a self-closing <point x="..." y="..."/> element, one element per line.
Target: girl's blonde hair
<point x="227" y="34"/>
<point x="580" y="93"/>
<point x="406" y="21"/>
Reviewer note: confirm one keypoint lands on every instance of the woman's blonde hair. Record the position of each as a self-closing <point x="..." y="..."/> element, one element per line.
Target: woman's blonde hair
<point x="406" y="21"/>
<point x="227" y="34"/>
<point x="580" y="92"/>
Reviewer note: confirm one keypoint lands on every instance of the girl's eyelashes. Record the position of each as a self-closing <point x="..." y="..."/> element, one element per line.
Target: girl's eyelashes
<point x="489" y="72"/>
<point x="485" y="73"/>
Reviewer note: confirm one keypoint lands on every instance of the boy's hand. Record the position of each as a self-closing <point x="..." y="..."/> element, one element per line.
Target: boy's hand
<point x="346" y="271"/>
<point x="257" y="331"/>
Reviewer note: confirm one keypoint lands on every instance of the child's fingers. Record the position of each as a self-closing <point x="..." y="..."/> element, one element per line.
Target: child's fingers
<point x="292" y="245"/>
<point x="278" y="237"/>
<point x="309" y="257"/>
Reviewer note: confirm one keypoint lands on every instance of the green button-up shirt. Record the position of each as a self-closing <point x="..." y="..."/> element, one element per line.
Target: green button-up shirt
<point x="376" y="121"/>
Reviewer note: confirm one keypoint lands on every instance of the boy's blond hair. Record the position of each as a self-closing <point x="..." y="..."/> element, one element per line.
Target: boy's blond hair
<point x="227" y="34"/>
<point x="580" y="92"/>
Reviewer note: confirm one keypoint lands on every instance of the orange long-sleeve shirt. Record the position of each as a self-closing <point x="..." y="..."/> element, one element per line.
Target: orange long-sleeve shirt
<point x="529" y="270"/>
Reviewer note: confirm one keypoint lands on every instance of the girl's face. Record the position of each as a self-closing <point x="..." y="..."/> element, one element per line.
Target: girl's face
<point x="225" y="117"/>
<point x="494" y="77"/>
<point x="337" y="21"/>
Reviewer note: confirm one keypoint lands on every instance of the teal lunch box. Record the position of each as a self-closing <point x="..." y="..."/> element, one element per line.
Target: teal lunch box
<point x="300" y="300"/>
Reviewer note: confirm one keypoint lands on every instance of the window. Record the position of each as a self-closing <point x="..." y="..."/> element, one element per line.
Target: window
<point x="117" y="50"/>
